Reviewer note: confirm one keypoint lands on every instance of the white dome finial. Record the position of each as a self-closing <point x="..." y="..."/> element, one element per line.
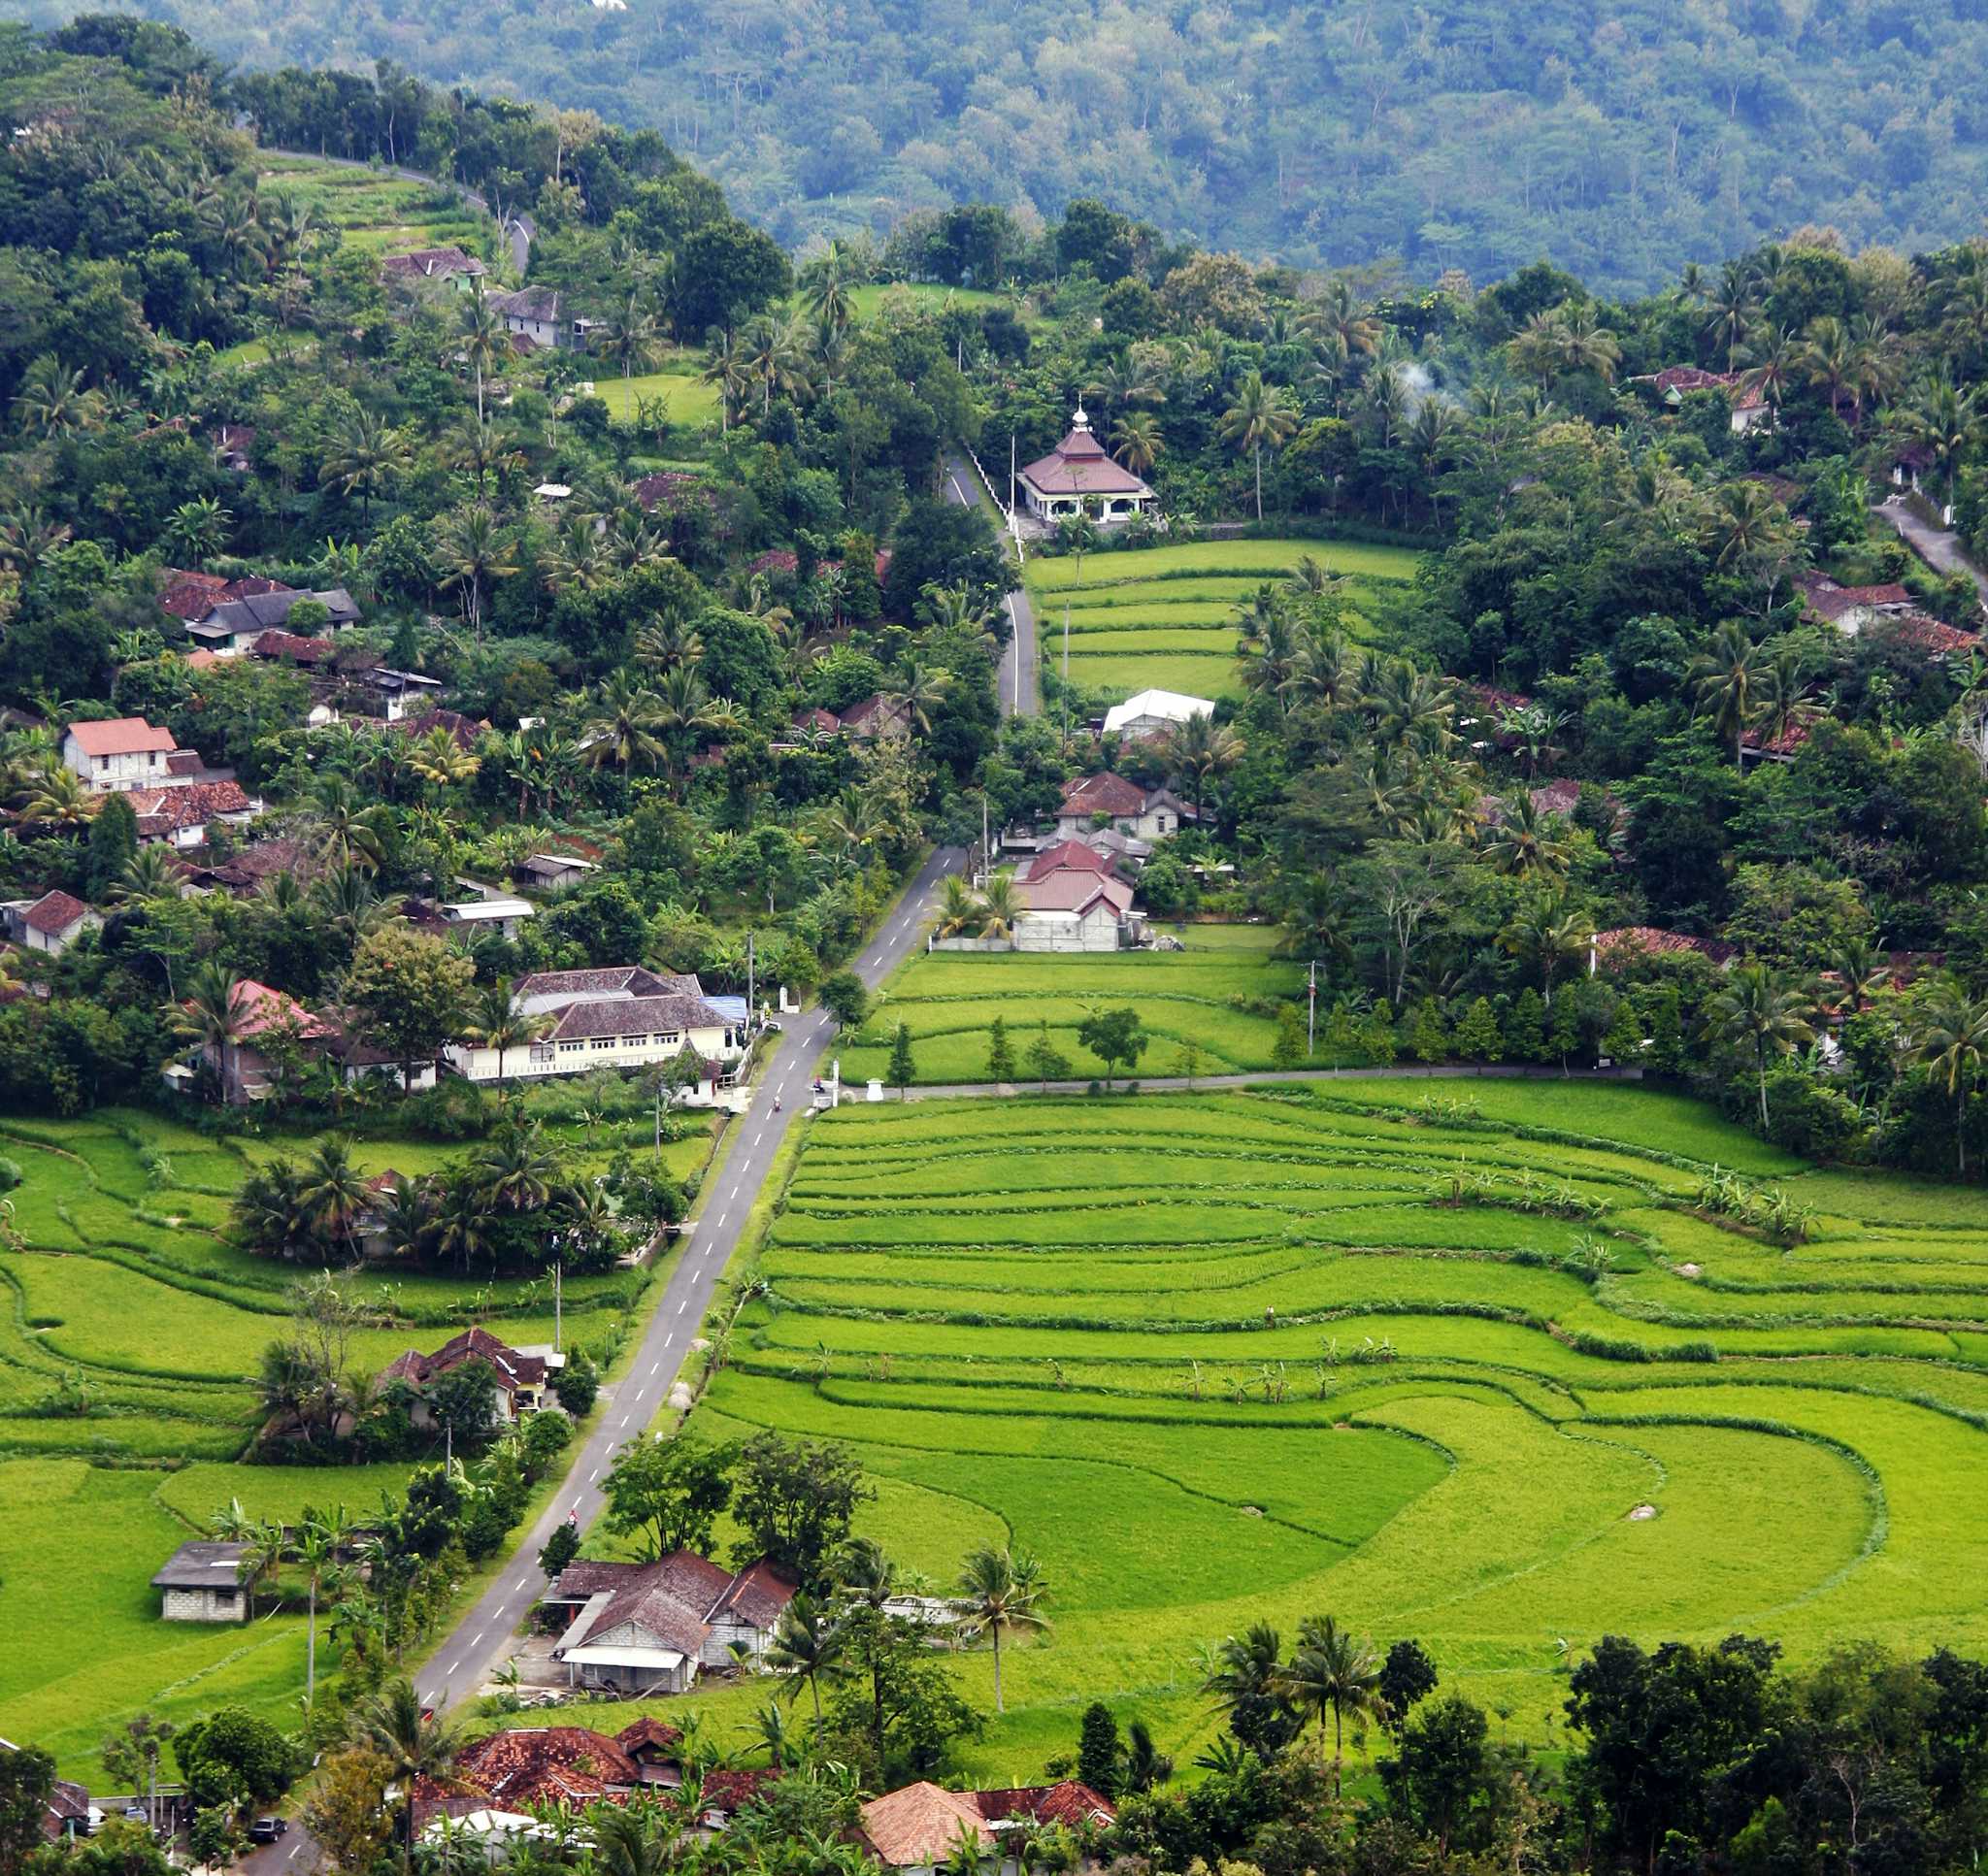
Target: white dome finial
<point x="1080" y="421"/>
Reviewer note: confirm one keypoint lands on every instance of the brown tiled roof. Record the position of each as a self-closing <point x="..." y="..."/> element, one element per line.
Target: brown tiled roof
<point x="821" y="722"/>
<point x="873" y="714"/>
<point x="1933" y="635"/>
<point x="554" y="1762"/>
<point x="635" y="1017"/>
<point x="1559" y="797"/>
<point x="1103" y="794"/>
<point x="292" y="647"/>
<point x="918" y="1826"/>
<point x="636" y="979"/>
<point x="1072" y="891"/>
<point x="432" y="264"/>
<point x="1069" y="856"/>
<point x="667" y="1599"/>
<point x="1071" y="1802"/>
<point x="466" y="731"/>
<point x="757" y="1594"/>
<point x="647" y="1733"/>
<point x="258" y="862"/>
<point x="54" y="914"/>
<point x="728" y="1793"/>
<point x="166" y="811"/>
<point x="1078" y="466"/>
<point x="1831" y="601"/>
<point x="257" y="1007"/>
<point x="1632" y="938"/>
<point x="511" y="1369"/>
<point x="191" y="595"/>
<point x="120" y="736"/>
<point x="1689" y="377"/>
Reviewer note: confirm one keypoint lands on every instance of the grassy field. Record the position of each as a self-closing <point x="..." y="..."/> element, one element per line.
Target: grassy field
<point x="380" y="213"/>
<point x="1225" y="1355"/>
<point x="947" y="999"/>
<point x="1165" y="616"/>
<point x="128" y="1297"/>
<point x="691" y="403"/>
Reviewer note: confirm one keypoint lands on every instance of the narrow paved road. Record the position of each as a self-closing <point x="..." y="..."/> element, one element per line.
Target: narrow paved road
<point x="1019" y="693"/>
<point x="481" y="1641"/>
<point x="1939" y="548"/>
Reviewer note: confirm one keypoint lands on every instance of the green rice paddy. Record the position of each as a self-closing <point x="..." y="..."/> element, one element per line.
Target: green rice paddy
<point x="129" y="1333"/>
<point x="1234" y="1355"/>
<point x="1165" y="616"/>
<point x="1212" y="994"/>
<point x="373" y="211"/>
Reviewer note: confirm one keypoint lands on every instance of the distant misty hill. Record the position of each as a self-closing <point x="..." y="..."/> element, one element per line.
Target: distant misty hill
<point x="1618" y="137"/>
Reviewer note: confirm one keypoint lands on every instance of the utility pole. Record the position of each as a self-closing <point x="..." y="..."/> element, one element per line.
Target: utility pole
<point x="1010" y="481"/>
<point x="1066" y="671"/>
<point x="558" y="1298"/>
<point x="986" y="851"/>
<point x="1311" y="1007"/>
<point x="749" y="983"/>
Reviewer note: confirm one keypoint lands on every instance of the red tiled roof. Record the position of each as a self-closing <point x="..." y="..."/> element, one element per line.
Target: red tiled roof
<point x="1934" y="636"/>
<point x="120" y="736"/>
<point x="823" y="722"/>
<point x="1071" y="1802"/>
<point x="757" y="1594"/>
<point x="1072" y="890"/>
<point x="166" y="811"/>
<point x="918" y="1826"/>
<point x="191" y="595"/>
<point x="1103" y="794"/>
<point x="54" y="914"/>
<point x="1069" y="856"/>
<point x="647" y="1733"/>
<point x="1689" y="377"/>
<point x="728" y="1793"/>
<point x="257" y="1007"/>
<point x="1829" y="601"/>
<point x="1627" y="940"/>
<point x="668" y="485"/>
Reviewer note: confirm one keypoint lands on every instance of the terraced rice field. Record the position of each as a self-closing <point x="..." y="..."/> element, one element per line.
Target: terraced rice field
<point x="127" y="1294"/>
<point x="1165" y="616"/>
<point x="377" y="212"/>
<point x="1209" y="993"/>
<point x="1226" y="1356"/>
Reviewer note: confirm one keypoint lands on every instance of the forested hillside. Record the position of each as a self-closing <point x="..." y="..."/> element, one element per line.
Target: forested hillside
<point x="1621" y="140"/>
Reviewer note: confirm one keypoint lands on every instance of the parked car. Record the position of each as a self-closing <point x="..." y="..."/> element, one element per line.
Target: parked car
<point x="266" y="1830"/>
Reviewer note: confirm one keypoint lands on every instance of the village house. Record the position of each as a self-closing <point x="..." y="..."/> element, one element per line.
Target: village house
<point x="67" y="1812"/>
<point x="1073" y="900"/>
<point x="538" y="314"/>
<point x="875" y="716"/>
<point x="1153" y="712"/>
<point x="520" y="1376"/>
<point x="446" y="266"/>
<point x="180" y="814"/>
<point x="649" y="1627"/>
<point x="122" y="753"/>
<point x="202" y="1582"/>
<point x="621" y="1018"/>
<point x="555" y="873"/>
<point x="1075" y="473"/>
<point x="1105" y="802"/>
<point x="51" y="923"/>
<point x="232" y="628"/>
<point x="1672" y="384"/>
<point x="1850" y="609"/>
<point x="919" y="1830"/>
<point x="242" y="874"/>
<point x="242" y="1062"/>
<point x="488" y="911"/>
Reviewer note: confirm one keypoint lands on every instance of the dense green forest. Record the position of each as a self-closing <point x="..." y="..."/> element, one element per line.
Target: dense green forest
<point x="1620" y="139"/>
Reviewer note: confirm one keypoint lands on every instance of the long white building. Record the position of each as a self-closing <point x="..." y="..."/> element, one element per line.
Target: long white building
<point x="626" y="1017"/>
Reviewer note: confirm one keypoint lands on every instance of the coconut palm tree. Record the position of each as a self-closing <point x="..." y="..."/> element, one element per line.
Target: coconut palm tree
<point x="415" y="1743"/>
<point x="627" y="726"/>
<point x="1953" y="1044"/>
<point x="1332" y="1670"/>
<point x="825" y="290"/>
<point x="366" y="457"/>
<point x="439" y="760"/>
<point x="1779" y="358"/>
<point x="806" y="1643"/>
<point x="333" y="1191"/>
<point x="350" y="831"/>
<point x="1244" y="1675"/>
<point x="152" y="872"/>
<point x="1002" y="1590"/>
<point x="1727" y="681"/>
<point x="54" y="795"/>
<point x="196" y="531"/>
<point x="319" y="1551"/>
<point x="1544" y="931"/>
<point x="1200" y="752"/>
<point x="497" y="1023"/>
<point x="1945" y="419"/>
<point x="1334" y="322"/>
<point x="212" y="1013"/>
<point x="917" y="693"/>
<point x="51" y="400"/>
<point x="1524" y="843"/>
<point x="471" y="550"/>
<point x="1000" y="907"/>
<point x="1137" y="442"/>
<point x="1261" y="414"/>
<point x="483" y="340"/>
<point x="631" y="336"/>
<point x="958" y="909"/>
<point x="724" y="366"/>
<point x="1760" y="1009"/>
<point x="517" y="1170"/>
<point x="1730" y="311"/>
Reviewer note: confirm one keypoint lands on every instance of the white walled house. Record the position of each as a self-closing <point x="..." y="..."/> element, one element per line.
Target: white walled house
<point x="625" y="1018"/>
<point x="51" y="923"/>
<point x="1142" y="813"/>
<point x="125" y="752"/>
<point x="1073" y="911"/>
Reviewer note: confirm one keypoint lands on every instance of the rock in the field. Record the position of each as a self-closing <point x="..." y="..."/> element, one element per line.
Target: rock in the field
<point x="699" y="1344"/>
<point x="681" y="1400"/>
